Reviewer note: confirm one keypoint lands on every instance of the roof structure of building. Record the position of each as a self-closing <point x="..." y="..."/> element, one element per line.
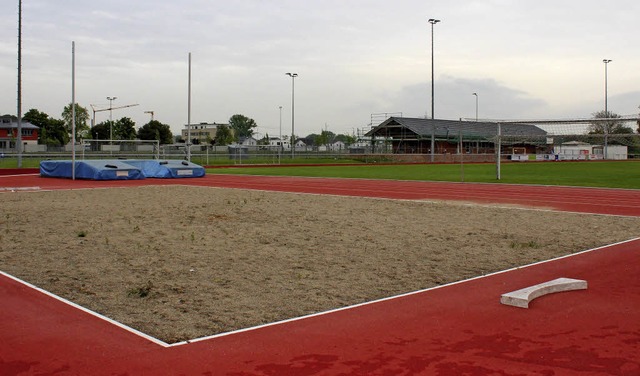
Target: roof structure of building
<point x="418" y="128"/>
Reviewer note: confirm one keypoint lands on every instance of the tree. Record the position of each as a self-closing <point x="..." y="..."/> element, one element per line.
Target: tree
<point x="52" y="131"/>
<point x="347" y="139"/>
<point x="264" y="140"/>
<point x="224" y="136"/>
<point x="101" y="131"/>
<point x="324" y="138"/>
<point x="82" y="117"/>
<point x="124" y="129"/>
<point x="242" y="126"/>
<point x="155" y="130"/>
<point x="608" y="127"/>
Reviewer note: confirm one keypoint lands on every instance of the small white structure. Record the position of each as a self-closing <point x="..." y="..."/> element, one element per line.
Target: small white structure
<point x="576" y="150"/>
<point x="248" y="141"/>
<point x="276" y="142"/>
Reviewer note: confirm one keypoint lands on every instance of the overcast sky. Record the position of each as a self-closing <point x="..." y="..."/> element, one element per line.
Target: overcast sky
<point x="525" y="59"/>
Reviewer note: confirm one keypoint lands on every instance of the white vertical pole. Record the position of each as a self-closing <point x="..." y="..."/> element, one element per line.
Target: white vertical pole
<point x="189" y="115"/>
<point x="19" y="110"/>
<point x="73" y="110"/>
<point x="498" y="151"/>
<point x="280" y="148"/>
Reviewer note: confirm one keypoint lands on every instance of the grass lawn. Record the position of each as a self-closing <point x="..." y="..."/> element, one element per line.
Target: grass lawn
<point x="618" y="174"/>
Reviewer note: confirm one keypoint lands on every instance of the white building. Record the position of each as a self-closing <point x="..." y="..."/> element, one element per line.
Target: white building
<point x="203" y="132"/>
<point x="576" y="150"/>
<point x="275" y="142"/>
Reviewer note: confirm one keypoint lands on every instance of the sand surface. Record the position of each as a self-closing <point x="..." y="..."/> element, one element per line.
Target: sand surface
<point x="180" y="263"/>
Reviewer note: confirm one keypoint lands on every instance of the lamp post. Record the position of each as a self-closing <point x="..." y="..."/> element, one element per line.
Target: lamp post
<point x="293" y="107"/>
<point x="280" y="137"/>
<point x="606" y="107"/>
<point x="19" y="99"/>
<point x="432" y="21"/>
<point x="111" y="99"/>
<point x="476" y="95"/>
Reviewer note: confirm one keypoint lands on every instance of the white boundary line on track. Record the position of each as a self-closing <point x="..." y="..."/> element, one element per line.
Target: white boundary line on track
<point x="167" y="345"/>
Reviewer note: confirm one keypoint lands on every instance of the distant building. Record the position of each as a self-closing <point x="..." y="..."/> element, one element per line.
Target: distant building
<point x="248" y="141"/>
<point x="9" y="132"/>
<point x="203" y="132"/>
<point x="416" y="135"/>
<point x="276" y="141"/>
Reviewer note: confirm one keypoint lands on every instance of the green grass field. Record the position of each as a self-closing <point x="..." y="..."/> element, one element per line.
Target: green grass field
<point x="619" y="174"/>
<point x="614" y="174"/>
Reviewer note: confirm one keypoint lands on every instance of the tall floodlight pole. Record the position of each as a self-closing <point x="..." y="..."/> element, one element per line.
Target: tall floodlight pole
<point x="189" y="114"/>
<point x="73" y="110"/>
<point x="293" y="108"/>
<point x="280" y="138"/>
<point x="606" y="106"/>
<point x="111" y="99"/>
<point x="432" y="21"/>
<point x="476" y="95"/>
<point x="19" y="104"/>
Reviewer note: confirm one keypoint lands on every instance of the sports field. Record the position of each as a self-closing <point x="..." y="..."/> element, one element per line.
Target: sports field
<point x="618" y="174"/>
<point x="453" y="231"/>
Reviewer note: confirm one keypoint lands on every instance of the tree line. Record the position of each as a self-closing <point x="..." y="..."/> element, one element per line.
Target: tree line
<point x="57" y="132"/>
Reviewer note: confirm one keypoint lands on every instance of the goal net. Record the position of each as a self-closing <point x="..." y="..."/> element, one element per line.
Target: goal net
<point x="572" y="139"/>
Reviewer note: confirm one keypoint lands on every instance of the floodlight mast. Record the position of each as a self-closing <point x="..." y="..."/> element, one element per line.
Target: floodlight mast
<point x="432" y="21"/>
<point x="19" y="100"/>
<point x="111" y="99"/>
<point x="293" y="108"/>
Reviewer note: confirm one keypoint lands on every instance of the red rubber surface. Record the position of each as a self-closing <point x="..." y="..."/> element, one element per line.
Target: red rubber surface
<point x="459" y="329"/>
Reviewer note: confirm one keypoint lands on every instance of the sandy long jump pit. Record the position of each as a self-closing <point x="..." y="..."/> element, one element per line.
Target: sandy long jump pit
<point x="180" y="263"/>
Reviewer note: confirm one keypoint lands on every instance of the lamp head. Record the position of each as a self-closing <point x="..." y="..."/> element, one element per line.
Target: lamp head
<point x="606" y="61"/>
<point x="433" y="21"/>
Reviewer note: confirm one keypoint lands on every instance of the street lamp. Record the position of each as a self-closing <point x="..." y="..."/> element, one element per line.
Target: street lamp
<point x="293" y="91"/>
<point x="432" y="21"/>
<point x="476" y="94"/>
<point x="606" y="107"/>
<point x="280" y="138"/>
<point x="111" y="99"/>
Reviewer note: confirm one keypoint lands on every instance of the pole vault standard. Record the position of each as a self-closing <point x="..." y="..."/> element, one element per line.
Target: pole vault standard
<point x="188" y="144"/>
<point x="73" y="110"/>
<point x="19" y="110"/>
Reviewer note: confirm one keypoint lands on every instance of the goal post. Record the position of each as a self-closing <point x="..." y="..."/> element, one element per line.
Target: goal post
<point x="566" y="140"/>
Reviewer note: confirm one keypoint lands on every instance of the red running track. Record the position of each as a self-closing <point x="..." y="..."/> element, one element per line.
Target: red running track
<point x="458" y="329"/>
<point x="584" y="200"/>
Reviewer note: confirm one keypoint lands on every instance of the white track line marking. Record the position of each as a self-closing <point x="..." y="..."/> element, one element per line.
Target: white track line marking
<point x="166" y="345"/>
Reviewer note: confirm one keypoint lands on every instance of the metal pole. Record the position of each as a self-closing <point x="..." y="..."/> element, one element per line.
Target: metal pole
<point x="293" y="108"/>
<point x="606" y="106"/>
<point x="73" y="110"/>
<point x="432" y="21"/>
<point x="111" y="99"/>
<point x="461" y="158"/>
<point x="19" y="104"/>
<point x="433" y="142"/>
<point x="476" y="94"/>
<point x="498" y="151"/>
<point x="188" y="144"/>
<point x="280" y="137"/>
